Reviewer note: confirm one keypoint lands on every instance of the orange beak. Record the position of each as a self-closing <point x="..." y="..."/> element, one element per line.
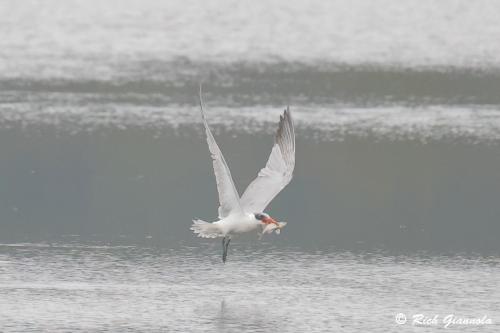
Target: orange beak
<point x="269" y="220"/>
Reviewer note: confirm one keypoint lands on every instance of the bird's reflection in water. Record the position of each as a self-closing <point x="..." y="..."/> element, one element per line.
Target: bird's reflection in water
<point x="222" y="312"/>
<point x="244" y="316"/>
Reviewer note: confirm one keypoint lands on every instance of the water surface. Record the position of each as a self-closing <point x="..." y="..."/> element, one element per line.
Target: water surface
<point x="81" y="288"/>
<point x="103" y="164"/>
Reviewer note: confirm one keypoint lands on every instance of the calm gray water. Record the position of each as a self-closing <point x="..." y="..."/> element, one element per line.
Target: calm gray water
<point x="103" y="164"/>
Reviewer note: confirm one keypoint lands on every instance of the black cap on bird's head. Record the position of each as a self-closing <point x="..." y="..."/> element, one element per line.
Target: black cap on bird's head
<point x="261" y="216"/>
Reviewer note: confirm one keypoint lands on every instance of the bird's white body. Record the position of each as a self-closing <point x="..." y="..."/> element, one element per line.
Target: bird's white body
<point x="243" y="214"/>
<point x="229" y="225"/>
<point x="238" y="224"/>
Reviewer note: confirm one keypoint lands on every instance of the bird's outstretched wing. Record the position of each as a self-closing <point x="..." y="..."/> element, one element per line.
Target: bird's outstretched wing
<point x="278" y="171"/>
<point x="228" y="196"/>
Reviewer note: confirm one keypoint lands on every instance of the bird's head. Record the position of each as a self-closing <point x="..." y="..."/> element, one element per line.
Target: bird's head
<point x="266" y="219"/>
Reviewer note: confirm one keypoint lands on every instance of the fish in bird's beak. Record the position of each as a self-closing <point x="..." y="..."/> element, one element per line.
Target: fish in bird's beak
<point x="269" y="225"/>
<point x="269" y="220"/>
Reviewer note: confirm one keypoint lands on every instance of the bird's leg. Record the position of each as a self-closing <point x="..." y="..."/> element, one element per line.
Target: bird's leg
<point x="226" y="245"/>
<point x="223" y="248"/>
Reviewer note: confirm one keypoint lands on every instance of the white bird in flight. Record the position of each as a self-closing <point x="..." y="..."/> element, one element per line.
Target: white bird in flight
<point x="246" y="213"/>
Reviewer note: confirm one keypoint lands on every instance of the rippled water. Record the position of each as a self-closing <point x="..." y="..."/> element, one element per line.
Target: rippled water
<point x="91" y="38"/>
<point x="394" y="203"/>
<point x="79" y="288"/>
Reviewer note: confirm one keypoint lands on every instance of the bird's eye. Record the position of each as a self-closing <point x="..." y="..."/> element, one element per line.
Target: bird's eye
<point x="258" y="216"/>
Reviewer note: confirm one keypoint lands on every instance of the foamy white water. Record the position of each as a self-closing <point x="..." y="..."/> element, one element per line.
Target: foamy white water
<point x="57" y="38"/>
<point x="421" y="123"/>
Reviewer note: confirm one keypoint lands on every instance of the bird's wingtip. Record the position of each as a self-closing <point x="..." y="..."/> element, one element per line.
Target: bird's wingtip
<point x="287" y="113"/>
<point x="200" y="100"/>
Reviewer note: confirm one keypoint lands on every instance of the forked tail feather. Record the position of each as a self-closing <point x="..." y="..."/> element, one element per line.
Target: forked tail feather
<point x="205" y="229"/>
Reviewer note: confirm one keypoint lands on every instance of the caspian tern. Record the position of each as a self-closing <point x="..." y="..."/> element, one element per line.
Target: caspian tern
<point x="246" y="213"/>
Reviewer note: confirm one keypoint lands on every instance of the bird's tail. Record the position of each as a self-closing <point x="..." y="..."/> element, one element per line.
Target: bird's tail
<point x="205" y="229"/>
